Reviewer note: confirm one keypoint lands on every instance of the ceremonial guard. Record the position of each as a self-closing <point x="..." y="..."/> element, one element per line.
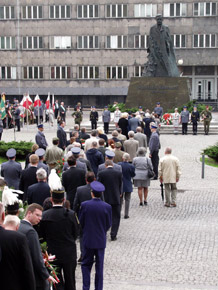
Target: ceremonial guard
<point x="207" y="117"/>
<point x="95" y="219"/>
<point x="195" y="118"/>
<point x="93" y="117"/>
<point x="184" y="119"/>
<point x="62" y="111"/>
<point x="40" y="137"/>
<point x="11" y="170"/>
<point x="158" y="110"/>
<point x="106" y="117"/>
<point x="59" y="228"/>
<point x="17" y="117"/>
<point x="78" y="115"/>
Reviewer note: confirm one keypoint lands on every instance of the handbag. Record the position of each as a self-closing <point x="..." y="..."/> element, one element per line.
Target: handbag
<point x="151" y="173"/>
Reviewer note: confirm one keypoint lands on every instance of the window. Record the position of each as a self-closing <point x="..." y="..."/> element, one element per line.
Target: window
<point x="32" y="12"/>
<point x="116" y="10"/>
<point x="145" y="10"/>
<point x="117" y="72"/>
<point x="117" y="41"/>
<point x="140" y="41"/>
<point x="32" y="42"/>
<point x="60" y="42"/>
<point x="87" y="42"/>
<point x="204" y="40"/>
<point x="60" y="72"/>
<point x="88" y="72"/>
<point x="204" y="9"/>
<point x="179" y="40"/>
<point x="7" y="12"/>
<point x="7" y="72"/>
<point x="59" y="11"/>
<point x="87" y="11"/>
<point x="138" y="70"/>
<point x="175" y="9"/>
<point x="7" y="42"/>
<point x="33" y="72"/>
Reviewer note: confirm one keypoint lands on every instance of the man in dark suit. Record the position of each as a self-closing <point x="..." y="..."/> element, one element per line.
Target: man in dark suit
<point x="112" y="180"/>
<point x="109" y="155"/>
<point x="83" y="135"/>
<point x="59" y="229"/>
<point x="15" y="261"/>
<point x="95" y="219"/>
<point x="40" y="137"/>
<point x="11" y="170"/>
<point x="62" y="111"/>
<point x="28" y="176"/>
<point x="62" y="136"/>
<point x="72" y="178"/>
<point x="38" y="192"/>
<point x="32" y="217"/>
<point x="56" y="109"/>
<point x="17" y="117"/>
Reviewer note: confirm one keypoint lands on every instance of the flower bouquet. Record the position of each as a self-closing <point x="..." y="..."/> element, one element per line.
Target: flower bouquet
<point x="166" y="119"/>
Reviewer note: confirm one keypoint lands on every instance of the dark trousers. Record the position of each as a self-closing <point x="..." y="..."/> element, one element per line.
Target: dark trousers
<point x="41" y="118"/>
<point x="68" y="282"/>
<point x="106" y="128"/>
<point x="184" y="128"/>
<point x="0" y="136"/>
<point x="63" y="117"/>
<point x="127" y="197"/>
<point x="37" y="120"/>
<point x="87" y="263"/>
<point x="94" y="124"/>
<point x="56" y="113"/>
<point x="115" y="219"/>
<point x="155" y="162"/>
<point x="17" y="123"/>
<point x="195" y="127"/>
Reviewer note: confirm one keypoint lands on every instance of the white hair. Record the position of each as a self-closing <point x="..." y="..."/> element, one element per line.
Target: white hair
<point x="41" y="174"/>
<point x="11" y="220"/>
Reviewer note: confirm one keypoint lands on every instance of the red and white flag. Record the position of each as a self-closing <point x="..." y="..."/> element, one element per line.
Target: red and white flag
<point x="26" y="102"/>
<point x="37" y="101"/>
<point x="47" y="103"/>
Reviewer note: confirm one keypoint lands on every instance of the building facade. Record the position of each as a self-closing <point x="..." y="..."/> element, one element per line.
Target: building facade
<point x="88" y="50"/>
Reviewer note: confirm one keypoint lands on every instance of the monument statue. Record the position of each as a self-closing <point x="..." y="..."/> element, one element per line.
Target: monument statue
<point x="161" y="58"/>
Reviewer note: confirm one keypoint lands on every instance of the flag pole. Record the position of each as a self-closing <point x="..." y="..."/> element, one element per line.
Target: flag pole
<point x="27" y="108"/>
<point x="49" y="107"/>
<point x="39" y="121"/>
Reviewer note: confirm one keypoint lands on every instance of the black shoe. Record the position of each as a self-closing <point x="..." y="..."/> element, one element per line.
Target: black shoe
<point x="80" y="260"/>
<point x="145" y="203"/>
<point x="126" y="216"/>
<point x="113" y="239"/>
<point x="141" y="204"/>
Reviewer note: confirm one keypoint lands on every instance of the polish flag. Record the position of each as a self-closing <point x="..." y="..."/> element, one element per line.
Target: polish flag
<point x="47" y="103"/>
<point x="37" y="101"/>
<point x="26" y="102"/>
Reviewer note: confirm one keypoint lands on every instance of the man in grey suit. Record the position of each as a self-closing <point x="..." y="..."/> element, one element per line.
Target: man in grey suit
<point x="40" y="137"/>
<point x="106" y="117"/>
<point x="32" y="217"/>
<point x="133" y="123"/>
<point x="11" y="170"/>
<point x="131" y="146"/>
<point x="109" y="155"/>
<point x="141" y="137"/>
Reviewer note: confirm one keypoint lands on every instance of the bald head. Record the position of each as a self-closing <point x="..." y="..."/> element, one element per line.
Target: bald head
<point x="168" y="150"/>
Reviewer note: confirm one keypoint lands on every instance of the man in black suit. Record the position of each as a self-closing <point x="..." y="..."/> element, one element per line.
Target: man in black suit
<point x="15" y="261"/>
<point x="56" y="109"/>
<point x="83" y="135"/>
<point x="38" y="192"/>
<point x="59" y="229"/>
<point x="62" y="136"/>
<point x="72" y="178"/>
<point x="28" y="176"/>
<point x="62" y="111"/>
<point x="112" y="180"/>
<point x="32" y="217"/>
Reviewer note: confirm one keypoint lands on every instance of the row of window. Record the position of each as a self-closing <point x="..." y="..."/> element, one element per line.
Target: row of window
<point x="111" y="10"/>
<point x="112" y="42"/>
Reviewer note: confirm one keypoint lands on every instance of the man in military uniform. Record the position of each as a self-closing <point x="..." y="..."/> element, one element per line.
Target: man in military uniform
<point x="53" y="153"/>
<point x="158" y="110"/>
<point x="207" y="117"/>
<point x="11" y="170"/>
<point x="195" y="117"/>
<point x="40" y="153"/>
<point x="17" y="117"/>
<point x="106" y="117"/>
<point x="184" y="119"/>
<point x="93" y="117"/>
<point x="40" y="137"/>
<point x="78" y="115"/>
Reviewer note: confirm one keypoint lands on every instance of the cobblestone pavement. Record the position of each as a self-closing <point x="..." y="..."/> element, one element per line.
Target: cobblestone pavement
<point x="165" y="248"/>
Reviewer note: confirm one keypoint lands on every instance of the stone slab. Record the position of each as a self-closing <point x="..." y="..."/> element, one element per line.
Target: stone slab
<point x="147" y="91"/>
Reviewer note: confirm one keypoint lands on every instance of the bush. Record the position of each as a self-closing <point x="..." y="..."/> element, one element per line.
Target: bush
<point x="212" y="152"/>
<point x="23" y="148"/>
<point x="122" y="108"/>
<point x="190" y="106"/>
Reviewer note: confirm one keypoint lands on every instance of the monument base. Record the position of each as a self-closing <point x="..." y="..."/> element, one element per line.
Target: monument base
<point x="171" y="92"/>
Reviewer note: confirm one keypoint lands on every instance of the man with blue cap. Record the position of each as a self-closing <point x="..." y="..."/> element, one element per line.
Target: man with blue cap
<point x="184" y="119"/>
<point x="109" y="155"/>
<point x="11" y="170"/>
<point x="95" y="219"/>
<point x="154" y="146"/>
<point x="158" y="110"/>
<point x="106" y="117"/>
<point x="40" y="137"/>
<point x="41" y="152"/>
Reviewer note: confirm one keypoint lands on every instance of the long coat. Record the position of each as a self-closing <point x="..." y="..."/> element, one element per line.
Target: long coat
<point x="128" y="171"/>
<point x="141" y="167"/>
<point x="61" y="134"/>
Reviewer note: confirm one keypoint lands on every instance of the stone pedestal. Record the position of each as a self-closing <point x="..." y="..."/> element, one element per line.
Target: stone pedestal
<point x="147" y="91"/>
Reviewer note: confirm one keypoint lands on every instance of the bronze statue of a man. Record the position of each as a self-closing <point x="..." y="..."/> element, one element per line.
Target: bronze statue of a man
<point x="161" y="58"/>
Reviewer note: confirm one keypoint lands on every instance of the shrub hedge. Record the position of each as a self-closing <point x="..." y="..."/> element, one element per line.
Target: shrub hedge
<point x="22" y="148"/>
<point x="212" y="152"/>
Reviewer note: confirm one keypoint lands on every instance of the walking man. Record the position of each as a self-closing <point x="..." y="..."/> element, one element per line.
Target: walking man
<point x="169" y="174"/>
<point x="95" y="219"/>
